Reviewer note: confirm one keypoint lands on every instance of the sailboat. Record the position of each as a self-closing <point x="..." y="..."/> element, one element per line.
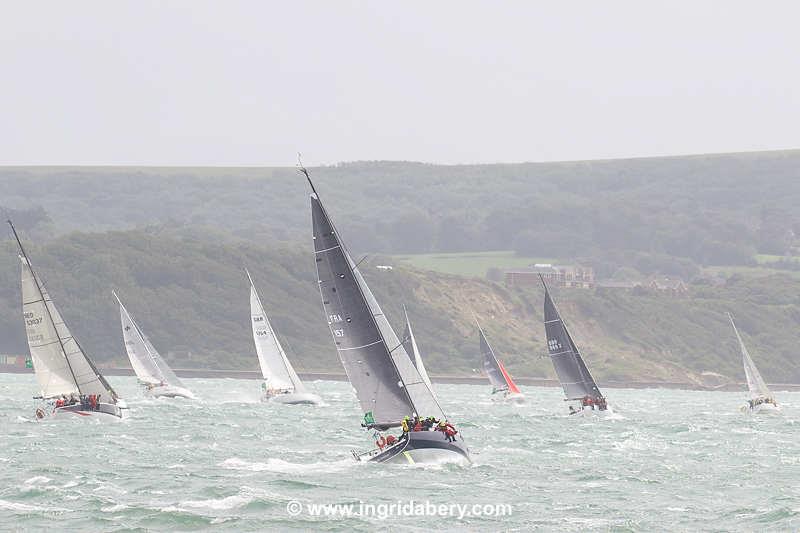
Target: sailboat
<point x="410" y="344"/>
<point x="761" y="398"/>
<point x="578" y="384"/>
<point x="498" y="375"/>
<point x="69" y="383"/>
<point x="281" y="383"/>
<point x="389" y="387"/>
<point x="152" y="371"/>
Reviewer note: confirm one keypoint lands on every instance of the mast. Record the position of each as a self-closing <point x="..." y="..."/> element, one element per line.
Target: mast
<point x="47" y="307"/>
<point x="363" y="301"/>
<point x="289" y="371"/>
<point x="574" y="376"/>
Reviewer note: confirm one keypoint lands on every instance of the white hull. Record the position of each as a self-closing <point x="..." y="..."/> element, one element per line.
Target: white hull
<point x="168" y="391"/>
<point x="430" y="456"/>
<point x="294" y="398"/>
<point x="588" y="411"/>
<point x="762" y="409"/>
<point x="516" y="398"/>
<point x="105" y="411"/>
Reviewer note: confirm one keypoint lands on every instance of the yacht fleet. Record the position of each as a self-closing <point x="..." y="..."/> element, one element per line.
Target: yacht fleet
<point x="386" y="371"/>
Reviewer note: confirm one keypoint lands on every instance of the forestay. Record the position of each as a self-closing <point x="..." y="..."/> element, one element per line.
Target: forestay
<point x="147" y="363"/>
<point x="386" y="382"/>
<point x="575" y="378"/>
<point x="755" y="383"/>
<point x="410" y="345"/>
<point x="61" y="366"/>
<point x="275" y="366"/>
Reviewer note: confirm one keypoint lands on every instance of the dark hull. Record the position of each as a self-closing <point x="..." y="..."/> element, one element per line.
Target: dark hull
<point x="424" y="447"/>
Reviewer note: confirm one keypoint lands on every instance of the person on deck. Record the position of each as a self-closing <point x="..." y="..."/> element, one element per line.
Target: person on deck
<point x="417" y="424"/>
<point x="572" y="410"/>
<point x="450" y="432"/>
<point x="404" y="425"/>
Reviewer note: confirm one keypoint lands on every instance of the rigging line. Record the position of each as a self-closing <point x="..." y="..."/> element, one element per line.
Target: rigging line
<point x="47" y="307"/>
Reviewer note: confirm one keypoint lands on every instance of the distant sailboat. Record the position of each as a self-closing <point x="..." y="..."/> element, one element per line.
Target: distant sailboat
<point x="389" y="387"/>
<point x="69" y="383"/>
<point x="761" y="398"/>
<point x="578" y="384"/>
<point x="281" y="383"/>
<point x="410" y="344"/>
<point x="498" y="375"/>
<point x="150" y="368"/>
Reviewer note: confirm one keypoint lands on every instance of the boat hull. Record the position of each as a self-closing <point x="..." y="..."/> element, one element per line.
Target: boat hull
<point x="168" y="391"/>
<point x="762" y="409"/>
<point x="104" y="411"/>
<point x="424" y="447"/>
<point x="589" y="412"/>
<point x="294" y="398"/>
<point x="515" y="398"/>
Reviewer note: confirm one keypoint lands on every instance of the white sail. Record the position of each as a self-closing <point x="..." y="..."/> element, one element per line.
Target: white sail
<point x="147" y="363"/>
<point x="275" y="366"/>
<point x="60" y="364"/>
<point x="755" y="383"/>
<point x="417" y="356"/>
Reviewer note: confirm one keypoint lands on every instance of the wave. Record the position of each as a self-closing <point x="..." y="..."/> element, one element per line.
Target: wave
<point x="284" y="467"/>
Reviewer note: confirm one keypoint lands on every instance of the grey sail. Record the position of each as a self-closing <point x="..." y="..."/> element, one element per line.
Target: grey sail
<point x="490" y="364"/>
<point x="575" y="378"/>
<point x="386" y="382"/>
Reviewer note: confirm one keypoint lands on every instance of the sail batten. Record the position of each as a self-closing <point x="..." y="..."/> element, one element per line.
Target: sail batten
<point x="60" y="365"/>
<point x="574" y="376"/>
<point x="276" y="369"/>
<point x="147" y="363"/>
<point x="755" y="383"/>
<point x="387" y="383"/>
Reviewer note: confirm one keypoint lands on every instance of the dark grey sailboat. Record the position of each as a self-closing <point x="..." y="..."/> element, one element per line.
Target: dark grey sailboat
<point x="578" y="384"/>
<point x="390" y="390"/>
<point x="498" y="375"/>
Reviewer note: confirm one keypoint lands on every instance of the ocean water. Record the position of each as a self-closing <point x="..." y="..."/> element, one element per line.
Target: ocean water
<point x="666" y="461"/>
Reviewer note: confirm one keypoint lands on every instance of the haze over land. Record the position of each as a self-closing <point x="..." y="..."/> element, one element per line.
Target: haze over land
<point x="173" y="243"/>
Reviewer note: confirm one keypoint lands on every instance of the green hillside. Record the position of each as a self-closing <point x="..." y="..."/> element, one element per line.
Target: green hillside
<point x="669" y="214"/>
<point x="190" y="294"/>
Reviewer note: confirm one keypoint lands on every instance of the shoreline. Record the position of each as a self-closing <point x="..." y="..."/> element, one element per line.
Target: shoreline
<point x="444" y="379"/>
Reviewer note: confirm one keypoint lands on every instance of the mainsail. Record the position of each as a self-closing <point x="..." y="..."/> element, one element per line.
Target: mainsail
<point x="570" y="368"/>
<point x="410" y="344"/>
<point x="386" y="382"/>
<point x="755" y="383"/>
<point x="495" y="371"/>
<point x="275" y="366"/>
<point x="61" y="366"/>
<point x="147" y="363"/>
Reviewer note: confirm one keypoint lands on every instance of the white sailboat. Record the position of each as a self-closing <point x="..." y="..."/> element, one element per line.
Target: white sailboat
<point x="761" y="398"/>
<point x="281" y="383"/>
<point x="69" y="383"/>
<point x="152" y="371"/>
<point x="410" y="344"/>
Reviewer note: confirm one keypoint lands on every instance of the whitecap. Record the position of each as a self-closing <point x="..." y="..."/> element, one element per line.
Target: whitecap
<point x="37" y="479"/>
<point x="284" y="467"/>
<point x="114" y="508"/>
<point x="223" y="504"/>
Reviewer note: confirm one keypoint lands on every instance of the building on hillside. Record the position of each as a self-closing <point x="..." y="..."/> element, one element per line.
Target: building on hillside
<point x="671" y="286"/>
<point x="569" y="276"/>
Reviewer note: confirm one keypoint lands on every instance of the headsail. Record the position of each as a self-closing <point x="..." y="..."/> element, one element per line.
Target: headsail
<point x="147" y="363"/>
<point x="575" y="378"/>
<point x="410" y="344"/>
<point x="387" y="384"/>
<point x="61" y="366"/>
<point x="755" y="383"/>
<point x="495" y="371"/>
<point x="275" y="366"/>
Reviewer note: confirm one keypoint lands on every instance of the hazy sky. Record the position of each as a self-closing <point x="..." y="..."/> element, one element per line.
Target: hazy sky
<point x="252" y="83"/>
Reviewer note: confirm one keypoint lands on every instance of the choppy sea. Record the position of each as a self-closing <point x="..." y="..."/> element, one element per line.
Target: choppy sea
<point x="666" y="461"/>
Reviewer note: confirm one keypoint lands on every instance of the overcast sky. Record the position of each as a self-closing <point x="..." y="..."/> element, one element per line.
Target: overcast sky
<point x="253" y="83"/>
